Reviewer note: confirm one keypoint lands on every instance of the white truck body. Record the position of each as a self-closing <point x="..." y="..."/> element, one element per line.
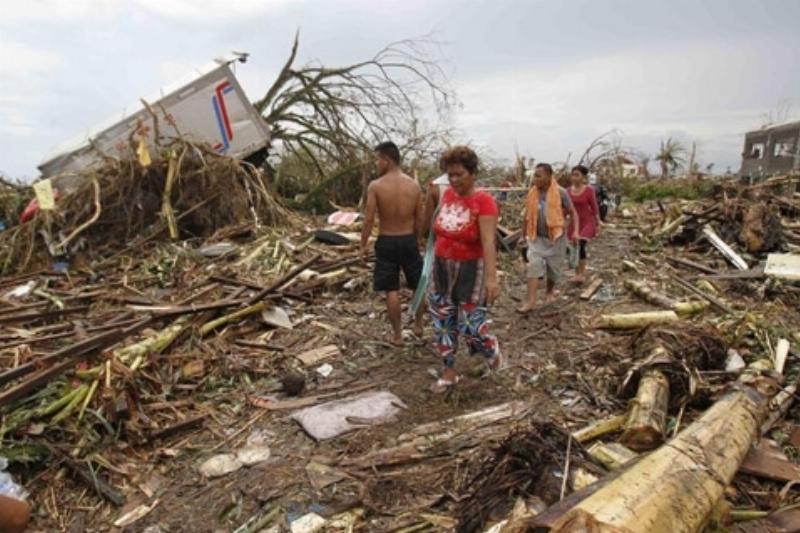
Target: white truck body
<point x="211" y="108"/>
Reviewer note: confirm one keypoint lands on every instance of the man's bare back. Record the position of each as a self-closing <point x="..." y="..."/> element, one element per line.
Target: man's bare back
<point x="397" y="199"/>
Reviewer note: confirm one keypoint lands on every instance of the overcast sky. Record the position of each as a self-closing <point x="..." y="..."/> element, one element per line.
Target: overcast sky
<point x="539" y="77"/>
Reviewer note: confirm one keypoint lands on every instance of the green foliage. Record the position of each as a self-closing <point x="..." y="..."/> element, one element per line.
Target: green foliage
<point x="636" y="190"/>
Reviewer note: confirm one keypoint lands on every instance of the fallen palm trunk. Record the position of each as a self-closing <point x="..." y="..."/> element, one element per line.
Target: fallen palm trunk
<point x="647" y="418"/>
<point x="690" y="473"/>
<point x="654" y="297"/>
<point x="635" y="320"/>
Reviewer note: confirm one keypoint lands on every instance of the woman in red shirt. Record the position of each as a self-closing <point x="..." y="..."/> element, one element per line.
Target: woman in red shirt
<point x="464" y="276"/>
<point x="584" y="199"/>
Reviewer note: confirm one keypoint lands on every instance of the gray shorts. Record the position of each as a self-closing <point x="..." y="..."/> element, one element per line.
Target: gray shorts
<point x="545" y="257"/>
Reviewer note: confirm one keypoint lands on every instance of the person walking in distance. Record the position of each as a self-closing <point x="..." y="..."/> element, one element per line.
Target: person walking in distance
<point x="464" y="277"/>
<point x="397" y="200"/>
<point x="584" y="198"/>
<point x="548" y="214"/>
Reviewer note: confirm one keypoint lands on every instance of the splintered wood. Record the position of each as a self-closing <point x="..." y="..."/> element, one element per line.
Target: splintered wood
<point x="317" y="355"/>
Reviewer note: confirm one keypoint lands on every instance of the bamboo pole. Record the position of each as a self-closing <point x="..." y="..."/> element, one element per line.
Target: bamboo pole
<point x="208" y="327"/>
<point x="635" y="320"/>
<point x="153" y="344"/>
<point x="647" y="418"/>
<point x="690" y="473"/>
<point x="166" y="201"/>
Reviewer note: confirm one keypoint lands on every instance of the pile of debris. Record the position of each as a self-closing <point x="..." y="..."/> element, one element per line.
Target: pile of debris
<point x="120" y="200"/>
<point x="238" y="381"/>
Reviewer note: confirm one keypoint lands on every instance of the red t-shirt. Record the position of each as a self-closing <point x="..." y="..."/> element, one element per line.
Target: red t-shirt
<point x="456" y="226"/>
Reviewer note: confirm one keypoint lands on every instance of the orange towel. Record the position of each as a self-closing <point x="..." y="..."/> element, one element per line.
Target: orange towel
<point x="554" y="214"/>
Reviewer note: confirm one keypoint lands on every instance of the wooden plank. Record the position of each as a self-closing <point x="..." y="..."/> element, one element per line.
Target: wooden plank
<point x="735" y="259"/>
<point x="767" y="460"/>
<point x="781" y="353"/>
<point x="593" y="287"/>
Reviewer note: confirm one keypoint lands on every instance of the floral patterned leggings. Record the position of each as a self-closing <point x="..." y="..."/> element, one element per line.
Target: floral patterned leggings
<point x="457" y="302"/>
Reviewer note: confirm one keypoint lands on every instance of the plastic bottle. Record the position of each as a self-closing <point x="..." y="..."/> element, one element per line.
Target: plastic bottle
<point x="7" y="485"/>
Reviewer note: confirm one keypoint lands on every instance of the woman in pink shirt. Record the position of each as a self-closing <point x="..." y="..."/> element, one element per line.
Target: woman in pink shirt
<point x="584" y="199"/>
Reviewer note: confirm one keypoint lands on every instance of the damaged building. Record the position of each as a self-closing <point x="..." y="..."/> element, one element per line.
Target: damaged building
<point x="773" y="150"/>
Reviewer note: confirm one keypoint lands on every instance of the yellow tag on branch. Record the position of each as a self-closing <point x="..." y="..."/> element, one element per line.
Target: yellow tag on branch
<point x="44" y="195"/>
<point x="143" y="153"/>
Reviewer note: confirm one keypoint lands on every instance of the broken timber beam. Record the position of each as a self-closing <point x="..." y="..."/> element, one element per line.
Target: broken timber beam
<point x="735" y="259"/>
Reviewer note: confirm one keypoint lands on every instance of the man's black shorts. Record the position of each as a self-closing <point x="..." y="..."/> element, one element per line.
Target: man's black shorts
<point x="391" y="254"/>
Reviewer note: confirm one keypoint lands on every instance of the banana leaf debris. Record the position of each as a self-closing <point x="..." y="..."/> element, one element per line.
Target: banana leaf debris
<point x="156" y="383"/>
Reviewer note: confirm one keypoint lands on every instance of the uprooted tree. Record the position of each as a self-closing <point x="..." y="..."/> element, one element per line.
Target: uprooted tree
<point x="326" y="120"/>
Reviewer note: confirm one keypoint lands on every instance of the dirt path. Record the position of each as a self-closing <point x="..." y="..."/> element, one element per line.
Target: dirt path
<point x="549" y="353"/>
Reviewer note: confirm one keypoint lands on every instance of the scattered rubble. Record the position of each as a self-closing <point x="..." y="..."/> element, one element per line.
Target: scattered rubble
<point x="158" y="382"/>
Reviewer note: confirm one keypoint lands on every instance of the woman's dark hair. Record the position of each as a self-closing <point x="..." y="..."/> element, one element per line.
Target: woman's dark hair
<point x="546" y="167"/>
<point x="582" y="169"/>
<point x="389" y="150"/>
<point x="462" y="155"/>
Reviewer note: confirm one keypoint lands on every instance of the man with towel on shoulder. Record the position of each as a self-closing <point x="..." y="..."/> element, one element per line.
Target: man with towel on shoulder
<point x="548" y="212"/>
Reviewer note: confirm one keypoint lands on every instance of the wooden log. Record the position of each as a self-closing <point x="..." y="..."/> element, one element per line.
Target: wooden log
<point x="734" y="258"/>
<point x="647" y="414"/>
<point x="592" y="288"/>
<point x="635" y="320"/>
<point x="599" y="428"/>
<point x="690" y="474"/>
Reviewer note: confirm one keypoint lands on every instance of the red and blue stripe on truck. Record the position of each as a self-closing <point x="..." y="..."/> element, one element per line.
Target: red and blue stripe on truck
<point x="221" y="112"/>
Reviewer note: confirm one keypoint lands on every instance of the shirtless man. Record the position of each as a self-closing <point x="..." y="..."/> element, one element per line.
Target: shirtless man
<point x="397" y="198"/>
